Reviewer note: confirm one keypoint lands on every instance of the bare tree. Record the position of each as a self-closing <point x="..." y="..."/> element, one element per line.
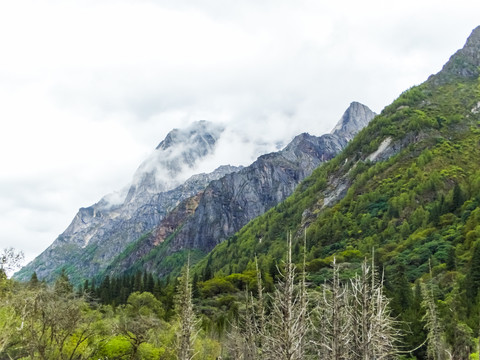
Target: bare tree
<point x="186" y="333"/>
<point x="287" y="327"/>
<point x="10" y="260"/>
<point x="334" y="332"/>
<point x="375" y="331"/>
<point x="246" y="337"/>
<point x="437" y="348"/>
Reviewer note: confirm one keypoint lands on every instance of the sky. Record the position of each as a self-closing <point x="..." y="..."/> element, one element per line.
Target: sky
<point x="89" y="88"/>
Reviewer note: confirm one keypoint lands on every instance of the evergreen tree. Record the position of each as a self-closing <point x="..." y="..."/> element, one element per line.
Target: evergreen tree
<point x="63" y="285"/>
<point x="473" y="275"/>
<point x="437" y="348"/>
<point x="402" y="296"/>
<point x="457" y="198"/>
<point x="207" y="273"/>
<point x="33" y="283"/>
<point x="138" y="282"/>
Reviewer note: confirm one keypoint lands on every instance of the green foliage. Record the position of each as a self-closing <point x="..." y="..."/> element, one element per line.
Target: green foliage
<point x="420" y="205"/>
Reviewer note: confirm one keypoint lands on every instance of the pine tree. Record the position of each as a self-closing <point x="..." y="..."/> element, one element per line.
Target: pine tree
<point x="473" y="275"/>
<point x="33" y="280"/>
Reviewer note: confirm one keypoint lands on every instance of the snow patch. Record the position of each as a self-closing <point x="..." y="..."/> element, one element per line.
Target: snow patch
<point x="383" y="146"/>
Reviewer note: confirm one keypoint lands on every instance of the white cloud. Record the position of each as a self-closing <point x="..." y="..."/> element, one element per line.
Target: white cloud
<point x="89" y="88"/>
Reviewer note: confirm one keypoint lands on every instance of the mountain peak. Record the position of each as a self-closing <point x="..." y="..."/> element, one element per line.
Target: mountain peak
<point x="356" y="117"/>
<point x="174" y="158"/>
<point x="198" y="131"/>
<point x="464" y="63"/>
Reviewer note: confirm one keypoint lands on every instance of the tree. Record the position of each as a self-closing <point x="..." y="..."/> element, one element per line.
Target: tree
<point x="138" y="318"/>
<point x="375" y="331"/>
<point x="437" y="348"/>
<point x="334" y="331"/>
<point x="33" y="280"/>
<point x="186" y="315"/>
<point x="246" y="337"/>
<point x="287" y="325"/>
<point x="472" y="280"/>
<point x="10" y="260"/>
<point x="63" y="286"/>
<point x="54" y="324"/>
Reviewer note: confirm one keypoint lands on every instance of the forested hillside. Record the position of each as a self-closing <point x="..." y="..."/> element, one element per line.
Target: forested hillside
<point x="407" y="186"/>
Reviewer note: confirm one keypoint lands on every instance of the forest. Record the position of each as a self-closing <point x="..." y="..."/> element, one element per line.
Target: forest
<point x="137" y="317"/>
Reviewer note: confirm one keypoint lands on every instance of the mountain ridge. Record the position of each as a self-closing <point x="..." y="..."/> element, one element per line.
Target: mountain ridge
<point x="100" y="234"/>
<point x="407" y="185"/>
<point x="228" y="203"/>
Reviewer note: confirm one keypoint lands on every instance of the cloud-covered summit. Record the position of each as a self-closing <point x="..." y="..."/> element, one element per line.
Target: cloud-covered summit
<point x="89" y="87"/>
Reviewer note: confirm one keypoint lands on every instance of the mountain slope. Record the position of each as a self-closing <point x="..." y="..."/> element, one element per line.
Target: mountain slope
<point x="229" y="203"/>
<point x="408" y="185"/>
<point x="112" y="235"/>
<point x="100" y="232"/>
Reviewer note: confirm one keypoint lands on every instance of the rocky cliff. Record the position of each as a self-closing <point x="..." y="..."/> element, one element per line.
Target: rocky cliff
<point x="229" y="203"/>
<point x="161" y="209"/>
<point x="99" y="233"/>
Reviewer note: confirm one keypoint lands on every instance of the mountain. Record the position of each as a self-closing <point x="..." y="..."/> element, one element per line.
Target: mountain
<point x="229" y="203"/>
<point x="405" y="191"/>
<point x="407" y="186"/>
<point x="159" y="218"/>
<point x="100" y="232"/>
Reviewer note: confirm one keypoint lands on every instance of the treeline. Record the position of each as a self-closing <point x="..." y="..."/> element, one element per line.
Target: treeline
<point x="352" y="315"/>
<point x="116" y="290"/>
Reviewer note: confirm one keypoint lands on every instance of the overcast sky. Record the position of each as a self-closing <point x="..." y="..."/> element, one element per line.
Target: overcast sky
<point x="89" y="88"/>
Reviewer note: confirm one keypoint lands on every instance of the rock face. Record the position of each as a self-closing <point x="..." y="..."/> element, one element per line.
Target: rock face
<point x="464" y="63"/>
<point x="354" y="119"/>
<point x="111" y="237"/>
<point x="229" y="203"/>
<point x="101" y="232"/>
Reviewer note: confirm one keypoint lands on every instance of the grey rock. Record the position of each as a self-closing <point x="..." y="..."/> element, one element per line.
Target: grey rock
<point x="229" y="203"/>
<point x="111" y="237"/>
<point x="101" y="232"/>
<point x="356" y="117"/>
<point x="464" y="63"/>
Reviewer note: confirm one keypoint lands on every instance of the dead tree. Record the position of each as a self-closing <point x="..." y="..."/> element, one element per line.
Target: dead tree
<point x="374" y="329"/>
<point x="333" y="331"/>
<point x="186" y="333"/>
<point x="287" y="325"/>
<point x="437" y="348"/>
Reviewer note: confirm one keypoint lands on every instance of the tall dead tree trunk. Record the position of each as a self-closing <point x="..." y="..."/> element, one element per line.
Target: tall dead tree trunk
<point x="287" y="326"/>
<point x="187" y="318"/>
<point x="375" y="331"/>
<point x="333" y="331"/>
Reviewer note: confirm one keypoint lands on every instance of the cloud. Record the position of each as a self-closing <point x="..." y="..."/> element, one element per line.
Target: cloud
<point x="89" y="88"/>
